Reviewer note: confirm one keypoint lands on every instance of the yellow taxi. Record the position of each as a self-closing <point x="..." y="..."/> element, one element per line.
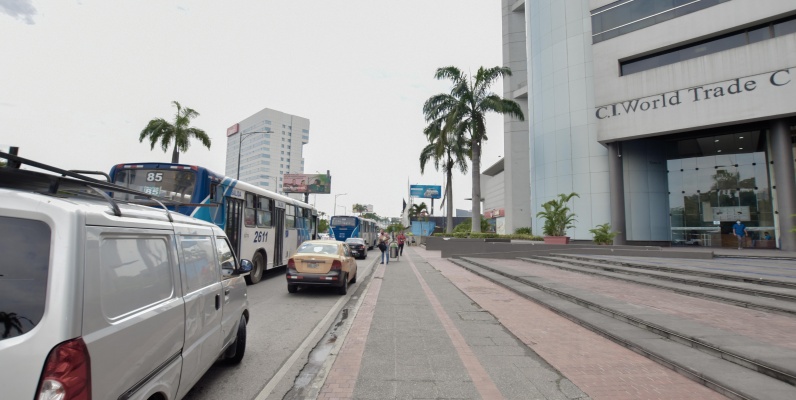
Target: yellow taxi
<point x="321" y="263"/>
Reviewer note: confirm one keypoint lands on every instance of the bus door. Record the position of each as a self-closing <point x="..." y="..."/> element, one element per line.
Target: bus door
<point x="279" y="225"/>
<point x="233" y="221"/>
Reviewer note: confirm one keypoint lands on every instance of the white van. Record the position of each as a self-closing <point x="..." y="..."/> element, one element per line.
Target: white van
<point x="105" y="300"/>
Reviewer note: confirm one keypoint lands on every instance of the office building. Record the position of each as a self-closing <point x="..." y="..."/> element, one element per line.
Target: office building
<point x="671" y="119"/>
<point x="268" y="144"/>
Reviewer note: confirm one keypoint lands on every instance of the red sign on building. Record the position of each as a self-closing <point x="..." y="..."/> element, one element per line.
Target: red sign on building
<point x="233" y="130"/>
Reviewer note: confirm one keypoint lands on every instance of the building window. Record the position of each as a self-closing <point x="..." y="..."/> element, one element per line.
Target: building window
<point x="625" y="16"/>
<point x="727" y="41"/>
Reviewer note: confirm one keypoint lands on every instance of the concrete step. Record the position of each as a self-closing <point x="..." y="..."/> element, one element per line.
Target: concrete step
<point x="747" y="295"/>
<point x="704" y="354"/>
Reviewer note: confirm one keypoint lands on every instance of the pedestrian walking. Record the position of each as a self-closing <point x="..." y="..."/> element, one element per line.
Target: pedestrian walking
<point x="400" y="239"/>
<point x="740" y="232"/>
<point x="384" y="240"/>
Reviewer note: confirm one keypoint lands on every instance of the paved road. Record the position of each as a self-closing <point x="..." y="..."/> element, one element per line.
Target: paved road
<point x="283" y="329"/>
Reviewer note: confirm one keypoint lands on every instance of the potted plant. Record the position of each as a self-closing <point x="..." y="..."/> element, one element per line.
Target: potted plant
<point x="603" y="234"/>
<point x="557" y="219"/>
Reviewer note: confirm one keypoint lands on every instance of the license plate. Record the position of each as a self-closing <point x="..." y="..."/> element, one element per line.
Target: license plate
<point x="312" y="265"/>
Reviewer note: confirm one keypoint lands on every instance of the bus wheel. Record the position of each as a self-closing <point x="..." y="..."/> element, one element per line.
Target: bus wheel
<point x="257" y="271"/>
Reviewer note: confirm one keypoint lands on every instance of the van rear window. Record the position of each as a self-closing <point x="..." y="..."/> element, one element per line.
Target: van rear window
<point x="24" y="267"/>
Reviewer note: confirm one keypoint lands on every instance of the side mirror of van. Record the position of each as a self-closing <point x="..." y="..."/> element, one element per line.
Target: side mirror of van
<point x="245" y="266"/>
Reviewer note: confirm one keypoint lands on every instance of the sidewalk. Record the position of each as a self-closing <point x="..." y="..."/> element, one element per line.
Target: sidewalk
<point x="430" y="329"/>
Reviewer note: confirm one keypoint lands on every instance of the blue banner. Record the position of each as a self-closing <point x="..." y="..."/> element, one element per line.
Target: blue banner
<point x="426" y="191"/>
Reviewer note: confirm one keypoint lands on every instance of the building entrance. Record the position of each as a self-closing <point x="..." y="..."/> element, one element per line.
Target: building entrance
<point x="715" y="181"/>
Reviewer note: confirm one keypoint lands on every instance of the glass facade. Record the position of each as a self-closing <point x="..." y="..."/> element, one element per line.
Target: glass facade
<point x="714" y="181"/>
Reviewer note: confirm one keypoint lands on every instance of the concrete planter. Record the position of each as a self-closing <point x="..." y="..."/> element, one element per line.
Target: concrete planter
<point x="556" y="240"/>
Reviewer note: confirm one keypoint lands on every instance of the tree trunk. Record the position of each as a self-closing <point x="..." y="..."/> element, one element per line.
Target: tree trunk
<point x="175" y="156"/>
<point x="476" y="219"/>
<point x="449" y="206"/>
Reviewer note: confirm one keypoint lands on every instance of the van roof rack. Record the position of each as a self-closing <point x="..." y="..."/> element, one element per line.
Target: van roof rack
<point x="69" y="183"/>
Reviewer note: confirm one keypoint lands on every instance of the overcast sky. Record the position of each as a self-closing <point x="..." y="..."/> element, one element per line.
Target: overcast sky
<point x="81" y="79"/>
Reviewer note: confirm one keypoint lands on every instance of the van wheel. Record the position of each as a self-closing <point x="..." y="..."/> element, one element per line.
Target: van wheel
<point x="292" y="288"/>
<point x="257" y="270"/>
<point x="240" y="342"/>
<point x="344" y="288"/>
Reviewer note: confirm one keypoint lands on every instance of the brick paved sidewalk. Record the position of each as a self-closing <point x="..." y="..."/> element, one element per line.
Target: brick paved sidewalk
<point x="600" y="367"/>
<point x="418" y="336"/>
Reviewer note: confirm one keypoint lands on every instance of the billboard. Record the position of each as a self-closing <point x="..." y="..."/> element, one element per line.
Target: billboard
<point x="307" y="183"/>
<point x="426" y="191"/>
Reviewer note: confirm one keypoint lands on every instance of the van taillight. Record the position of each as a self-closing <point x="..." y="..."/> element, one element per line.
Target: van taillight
<point x="337" y="265"/>
<point x="67" y="373"/>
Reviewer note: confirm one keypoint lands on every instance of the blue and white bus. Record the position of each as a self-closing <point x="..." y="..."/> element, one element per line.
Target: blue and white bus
<point x="342" y="227"/>
<point x="263" y="226"/>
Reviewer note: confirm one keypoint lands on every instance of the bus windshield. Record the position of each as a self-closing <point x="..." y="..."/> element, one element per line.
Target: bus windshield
<point x="343" y="221"/>
<point x="170" y="184"/>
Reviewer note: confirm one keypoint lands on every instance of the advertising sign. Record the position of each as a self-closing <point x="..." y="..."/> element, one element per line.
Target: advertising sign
<point x="233" y="130"/>
<point x="426" y="191"/>
<point x="306" y="183"/>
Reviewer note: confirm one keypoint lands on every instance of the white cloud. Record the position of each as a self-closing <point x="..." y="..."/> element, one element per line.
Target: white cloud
<point x="19" y="9"/>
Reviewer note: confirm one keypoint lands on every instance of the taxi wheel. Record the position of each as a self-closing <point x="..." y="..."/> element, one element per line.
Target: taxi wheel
<point x="292" y="288"/>
<point x="354" y="279"/>
<point x="343" y="290"/>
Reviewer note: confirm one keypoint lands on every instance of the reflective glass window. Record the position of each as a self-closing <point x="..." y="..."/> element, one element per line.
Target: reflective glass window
<point x="710" y="46"/>
<point x="715" y="181"/>
<point x="785" y="28"/>
<point x="759" y="34"/>
<point x="24" y="268"/>
<point x="625" y="16"/>
<point x="198" y="261"/>
<point x="134" y="273"/>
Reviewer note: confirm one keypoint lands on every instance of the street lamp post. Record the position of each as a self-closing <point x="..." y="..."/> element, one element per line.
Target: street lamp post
<point x="240" y="147"/>
<point x="334" y="210"/>
<point x="276" y="183"/>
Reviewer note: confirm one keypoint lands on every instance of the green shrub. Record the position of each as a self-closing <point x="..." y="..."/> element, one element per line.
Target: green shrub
<point x="467" y="225"/>
<point x="603" y="234"/>
<point x="523" y="231"/>
<point x="557" y="218"/>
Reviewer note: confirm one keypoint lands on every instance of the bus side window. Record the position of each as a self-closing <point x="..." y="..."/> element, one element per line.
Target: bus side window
<point x="290" y="216"/>
<point x="264" y="212"/>
<point x="249" y="212"/>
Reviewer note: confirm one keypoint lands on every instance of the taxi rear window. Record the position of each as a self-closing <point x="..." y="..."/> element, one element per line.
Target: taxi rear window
<point x="24" y="268"/>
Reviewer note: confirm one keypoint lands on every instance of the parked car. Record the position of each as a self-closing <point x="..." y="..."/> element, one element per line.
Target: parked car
<point x="321" y="263"/>
<point x="107" y="300"/>
<point x="358" y="247"/>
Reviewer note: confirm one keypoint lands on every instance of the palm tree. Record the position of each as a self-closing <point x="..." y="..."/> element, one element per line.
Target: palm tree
<point x="180" y="132"/>
<point x="417" y="211"/>
<point x="464" y="110"/>
<point x="359" y="208"/>
<point x="448" y="150"/>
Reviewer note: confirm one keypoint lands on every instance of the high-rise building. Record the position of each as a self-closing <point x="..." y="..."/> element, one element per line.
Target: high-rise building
<point x="671" y="119"/>
<point x="268" y="144"/>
